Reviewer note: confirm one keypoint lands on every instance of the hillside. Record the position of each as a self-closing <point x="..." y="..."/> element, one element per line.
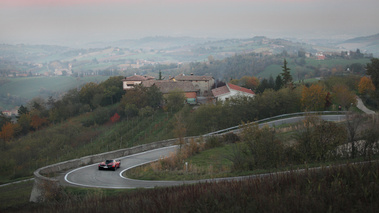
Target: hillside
<point x="367" y="44"/>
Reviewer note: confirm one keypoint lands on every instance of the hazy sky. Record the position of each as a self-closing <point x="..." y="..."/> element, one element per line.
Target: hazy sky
<point x="47" y="21"/>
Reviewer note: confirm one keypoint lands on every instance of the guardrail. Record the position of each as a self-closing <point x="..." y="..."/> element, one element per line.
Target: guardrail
<point x="44" y="185"/>
<point x="277" y="118"/>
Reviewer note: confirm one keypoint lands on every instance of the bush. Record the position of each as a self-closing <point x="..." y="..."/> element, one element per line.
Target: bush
<point x="101" y="115"/>
<point x="146" y="112"/>
<point x="230" y="138"/>
<point x="212" y="142"/>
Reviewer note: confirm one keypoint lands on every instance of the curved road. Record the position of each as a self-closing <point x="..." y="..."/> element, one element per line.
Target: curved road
<point x="90" y="176"/>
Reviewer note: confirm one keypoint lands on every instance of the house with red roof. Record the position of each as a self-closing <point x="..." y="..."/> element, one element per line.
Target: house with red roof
<point x="231" y="90"/>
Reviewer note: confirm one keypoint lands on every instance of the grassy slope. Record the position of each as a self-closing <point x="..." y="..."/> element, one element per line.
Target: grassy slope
<point x="15" y="195"/>
<point x="274" y="69"/>
<point x="69" y="140"/>
<point x="28" y="88"/>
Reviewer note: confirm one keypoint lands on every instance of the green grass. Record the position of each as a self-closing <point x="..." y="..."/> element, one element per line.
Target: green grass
<point x="28" y="88"/>
<point x="330" y="63"/>
<point x="213" y="163"/>
<point x="15" y="196"/>
<point x="70" y="140"/>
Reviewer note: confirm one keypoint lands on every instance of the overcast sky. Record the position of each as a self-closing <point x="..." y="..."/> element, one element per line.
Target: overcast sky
<point x="47" y="21"/>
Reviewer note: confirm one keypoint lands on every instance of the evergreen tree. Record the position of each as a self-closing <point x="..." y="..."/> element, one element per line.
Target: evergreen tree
<point x="287" y="77"/>
<point x="372" y="69"/>
<point x="22" y="110"/>
<point x="271" y="82"/>
<point x="278" y="83"/>
<point x="263" y="85"/>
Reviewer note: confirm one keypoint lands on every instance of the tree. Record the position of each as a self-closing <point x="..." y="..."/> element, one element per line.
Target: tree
<point x="24" y="122"/>
<point x="112" y="90"/>
<point x="175" y="100"/>
<point x="8" y="131"/>
<point x="87" y="93"/>
<point x="263" y="148"/>
<point x="249" y="82"/>
<point x="154" y="97"/>
<point x="313" y="98"/>
<point x="327" y="136"/>
<point x="137" y="96"/>
<point x="343" y="96"/>
<point x="372" y="69"/>
<point x="180" y="129"/>
<point x="4" y="119"/>
<point x="365" y="86"/>
<point x="287" y="77"/>
<point x="271" y="82"/>
<point x="278" y="83"/>
<point x="22" y="110"/>
<point x="37" y="122"/>
<point x="263" y="86"/>
<point x="353" y="122"/>
<point x="371" y="137"/>
<point x="317" y="140"/>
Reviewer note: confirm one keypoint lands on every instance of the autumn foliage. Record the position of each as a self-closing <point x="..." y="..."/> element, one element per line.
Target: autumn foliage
<point x="37" y="122"/>
<point x="8" y="131"/>
<point x="313" y="98"/>
<point x="115" y="118"/>
<point x="365" y="85"/>
<point x="343" y="96"/>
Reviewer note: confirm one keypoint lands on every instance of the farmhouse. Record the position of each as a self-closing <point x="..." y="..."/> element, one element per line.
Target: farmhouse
<point x="231" y="90"/>
<point x="202" y="83"/>
<point x="129" y="82"/>
<point x="167" y="86"/>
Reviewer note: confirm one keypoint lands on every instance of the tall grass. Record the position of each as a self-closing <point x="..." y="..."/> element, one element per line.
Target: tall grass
<point x="351" y="188"/>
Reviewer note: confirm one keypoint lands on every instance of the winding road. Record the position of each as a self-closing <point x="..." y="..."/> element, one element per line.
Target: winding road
<point x="90" y="176"/>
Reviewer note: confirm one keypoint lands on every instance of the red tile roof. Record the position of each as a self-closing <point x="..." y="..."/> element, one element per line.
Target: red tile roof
<point x="220" y="91"/>
<point x="242" y="89"/>
<point x="226" y="89"/>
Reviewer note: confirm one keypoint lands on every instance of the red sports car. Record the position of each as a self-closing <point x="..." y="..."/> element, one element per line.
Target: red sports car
<point x="110" y="164"/>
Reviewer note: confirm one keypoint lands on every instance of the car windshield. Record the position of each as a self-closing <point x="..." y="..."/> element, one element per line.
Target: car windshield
<point x="108" y="161"/>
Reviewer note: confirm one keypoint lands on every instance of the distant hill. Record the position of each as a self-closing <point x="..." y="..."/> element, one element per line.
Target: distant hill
<point x="368" y="44"/>
<point x="157" y="42"/>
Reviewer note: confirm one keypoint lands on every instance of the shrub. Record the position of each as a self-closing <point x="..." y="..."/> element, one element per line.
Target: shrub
<point x="230" y="138"/>
<point x="212" y="142"/>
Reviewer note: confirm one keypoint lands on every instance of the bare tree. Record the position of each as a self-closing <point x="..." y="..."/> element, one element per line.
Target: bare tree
<point x="371" y="137"/>
<point x="353" y="122"/>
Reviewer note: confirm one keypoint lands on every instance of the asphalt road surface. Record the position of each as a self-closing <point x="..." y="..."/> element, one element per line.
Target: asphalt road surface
<point x="90" y="176"/>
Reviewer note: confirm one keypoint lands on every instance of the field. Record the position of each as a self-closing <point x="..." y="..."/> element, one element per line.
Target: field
<point x="28" y="88"/>
<point x="274" y="69"/>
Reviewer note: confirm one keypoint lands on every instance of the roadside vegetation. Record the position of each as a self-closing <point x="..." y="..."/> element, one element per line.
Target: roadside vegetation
<point x="312" y="142"/>
<point x="102" y="117"/>
<point x="337" y="189"/>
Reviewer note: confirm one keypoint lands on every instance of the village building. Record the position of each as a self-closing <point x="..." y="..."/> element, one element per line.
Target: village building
<point x="130" y="82"/>
<point x="167" y="86"/>
<point x="224" y="93"/>
<point x="202" y="83"/>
